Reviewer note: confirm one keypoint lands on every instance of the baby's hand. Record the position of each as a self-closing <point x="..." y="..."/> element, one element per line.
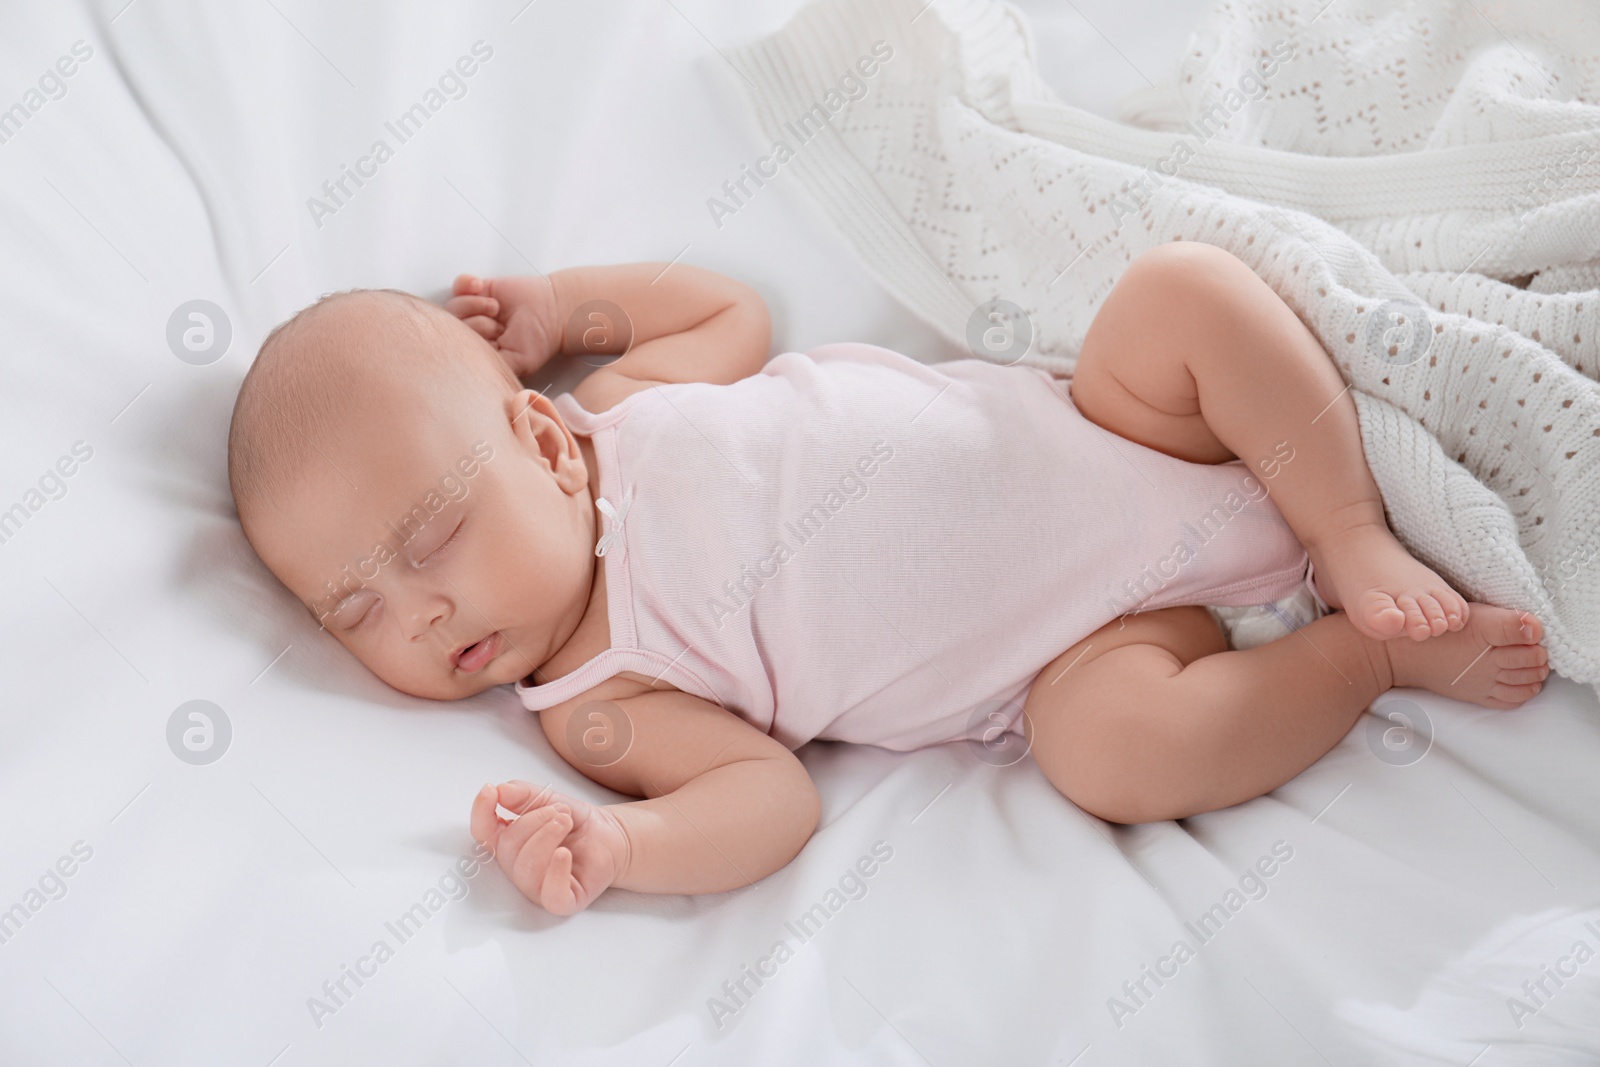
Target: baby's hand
<point x="512" y="313"/>
<point x="560" y="851"/>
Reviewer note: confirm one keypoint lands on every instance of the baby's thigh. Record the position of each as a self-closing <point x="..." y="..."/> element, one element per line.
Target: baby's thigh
<point x="1106" y="731"/>
<point x="1132" y="376"/>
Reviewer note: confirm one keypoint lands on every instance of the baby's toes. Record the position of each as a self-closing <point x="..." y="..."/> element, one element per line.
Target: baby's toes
<point x="1508" y="657"/>
<point x="1520" y="665"/>
<point x="1533" y="676"/>
<point x="1512" y="696"/>
<point x="1532" y="628"/>
<point x="1456" y="609"/>
<point x="1433" y="611"/>
<point x="1416" y="623"/>
<point x="1504" y="626"/>
<point x="1377" y="615"/>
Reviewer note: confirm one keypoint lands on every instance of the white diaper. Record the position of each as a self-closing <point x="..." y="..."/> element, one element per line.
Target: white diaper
<point x="1259" y="624"/>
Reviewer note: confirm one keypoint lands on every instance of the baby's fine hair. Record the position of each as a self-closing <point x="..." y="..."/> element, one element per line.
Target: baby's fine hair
<point x="313" y="367"/>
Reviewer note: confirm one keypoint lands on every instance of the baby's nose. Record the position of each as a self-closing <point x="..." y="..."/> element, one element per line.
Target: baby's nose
<point x="420" y="613"/>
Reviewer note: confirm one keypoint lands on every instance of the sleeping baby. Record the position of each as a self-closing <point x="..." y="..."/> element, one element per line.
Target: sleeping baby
<point x="701" y="558"/>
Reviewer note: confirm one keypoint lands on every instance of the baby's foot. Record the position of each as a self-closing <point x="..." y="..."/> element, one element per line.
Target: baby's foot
<point x="1494" y="661"/>
<point x="1384" y="590"/>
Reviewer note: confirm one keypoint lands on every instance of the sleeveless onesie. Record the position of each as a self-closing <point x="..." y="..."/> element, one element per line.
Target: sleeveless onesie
<point x="854" y="545"/>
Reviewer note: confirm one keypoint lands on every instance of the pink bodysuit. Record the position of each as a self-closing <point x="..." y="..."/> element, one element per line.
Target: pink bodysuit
<point x="854" y="545"/>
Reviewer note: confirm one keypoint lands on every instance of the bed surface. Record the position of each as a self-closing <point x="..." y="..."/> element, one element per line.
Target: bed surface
<point x="1411" y="891"/>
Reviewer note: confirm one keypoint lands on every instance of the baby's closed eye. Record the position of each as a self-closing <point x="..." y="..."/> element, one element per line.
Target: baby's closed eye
<point x="353" y="611"/>
<point x="443" y="544"/>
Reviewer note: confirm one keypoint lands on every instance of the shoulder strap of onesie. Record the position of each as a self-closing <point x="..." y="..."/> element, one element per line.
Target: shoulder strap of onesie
<point x="581" y="420"/>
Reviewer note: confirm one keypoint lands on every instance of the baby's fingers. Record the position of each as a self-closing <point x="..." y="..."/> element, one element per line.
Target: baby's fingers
<point x="521" y="797"/>
<point x="486" y="821"/>
<point x="463" y="307"/>
<point x="559" y="892"/>
<point x="486" y="328"/>
<point x="527" y="864"/>
<point x="467" y="283"/>
<point x="523" y="831"/>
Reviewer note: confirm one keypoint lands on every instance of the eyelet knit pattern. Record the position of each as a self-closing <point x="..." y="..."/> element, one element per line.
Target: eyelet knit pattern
<point x="1423" y="189"/>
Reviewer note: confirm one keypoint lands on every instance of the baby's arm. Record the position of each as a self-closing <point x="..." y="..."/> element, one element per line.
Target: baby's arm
<point x="726" y="804"/>
<point x="678" y="323"/>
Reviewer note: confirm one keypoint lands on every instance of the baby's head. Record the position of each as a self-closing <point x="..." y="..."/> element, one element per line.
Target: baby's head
<point x="391" y="471"/>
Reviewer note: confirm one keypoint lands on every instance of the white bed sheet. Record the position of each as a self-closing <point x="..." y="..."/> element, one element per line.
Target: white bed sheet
<point x="216" y="900"/>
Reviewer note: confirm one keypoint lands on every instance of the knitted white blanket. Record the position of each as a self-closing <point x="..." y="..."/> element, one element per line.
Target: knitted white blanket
<point x="1419" y="181"/>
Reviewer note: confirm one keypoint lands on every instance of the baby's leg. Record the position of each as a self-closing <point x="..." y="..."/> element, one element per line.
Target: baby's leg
<point x="1194" y="355"/>
<point x="1151" y="717"/>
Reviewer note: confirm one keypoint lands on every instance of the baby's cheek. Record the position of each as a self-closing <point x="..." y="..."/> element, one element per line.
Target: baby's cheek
<point x="399" y="668"/>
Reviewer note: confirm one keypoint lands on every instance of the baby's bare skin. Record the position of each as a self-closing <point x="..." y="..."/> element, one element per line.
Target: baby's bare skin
<point x="1193" y="355"/>
<point x="724" y="803"/>
<point x="510" y="569"/>
<point x="1402" y="624"/>
<point x="1154" y="718"/>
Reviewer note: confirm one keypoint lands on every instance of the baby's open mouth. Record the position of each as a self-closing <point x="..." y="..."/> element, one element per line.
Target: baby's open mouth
<point x="473" y="657"/>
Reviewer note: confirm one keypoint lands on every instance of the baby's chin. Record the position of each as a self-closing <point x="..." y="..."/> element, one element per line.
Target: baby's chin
<point x="473" y="684"/>
<point x="447" y="689"/>
<point x="453" y="685"/>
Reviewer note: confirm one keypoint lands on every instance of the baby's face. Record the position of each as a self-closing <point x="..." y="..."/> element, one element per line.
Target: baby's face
<point x="411" y="540"/>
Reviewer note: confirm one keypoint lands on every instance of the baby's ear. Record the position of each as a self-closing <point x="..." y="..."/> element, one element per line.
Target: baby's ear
<point x="519" y="407"/>
<point x="537" y="425"/>
<point x="529" y="410"/>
